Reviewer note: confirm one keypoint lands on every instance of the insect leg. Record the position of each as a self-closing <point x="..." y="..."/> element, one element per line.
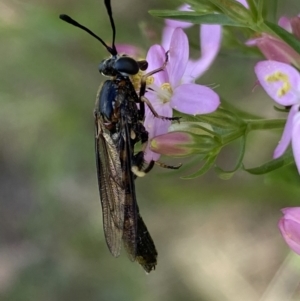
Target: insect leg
<point x="144" y="77"/>
<point x="164" y="165"/>
<point x="138" y="164"/>
<point x="138" y="159"/>
<point x="145" y="100"/>
<point x="142" y="97"/>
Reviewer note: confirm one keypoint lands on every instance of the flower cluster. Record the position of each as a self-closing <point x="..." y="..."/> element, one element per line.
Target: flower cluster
<point x="281" y="81"/>
<point x="289" y="226"/>
<point x="174" y="87"/>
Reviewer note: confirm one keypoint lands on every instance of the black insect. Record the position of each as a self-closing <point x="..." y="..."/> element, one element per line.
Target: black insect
<point x="118" y="127"/>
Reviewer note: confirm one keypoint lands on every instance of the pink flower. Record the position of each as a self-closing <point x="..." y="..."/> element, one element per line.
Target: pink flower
<point x="285" y="23"/>
<point x="282" y="83"/>
<point x="275" y="49"/>
<point x="168" y="91"/>
<point x="244" y="3"/>
<point x="210" y="42"/>
<point x="178" y="144"/>
<point x="129" y="50"/>
<point x="291" y="25"/>
<point x="289" y="226"/>
<point x="181" y="144"/>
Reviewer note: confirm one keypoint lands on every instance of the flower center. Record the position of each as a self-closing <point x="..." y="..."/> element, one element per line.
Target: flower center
<point x="165" y="92"/>
<point x="280" y="77"/>
<point x="150" y="80"/>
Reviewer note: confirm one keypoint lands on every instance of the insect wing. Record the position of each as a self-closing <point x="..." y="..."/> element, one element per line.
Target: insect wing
<point x="130" y="211"/>
<point x="146" y="253"/>
<point x="137" y="240"/>
<point x="112" y="193"/>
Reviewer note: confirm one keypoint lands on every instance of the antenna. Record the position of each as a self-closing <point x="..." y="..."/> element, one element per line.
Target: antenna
<point x="112" y="50"/>
<point x="112" y="23"/>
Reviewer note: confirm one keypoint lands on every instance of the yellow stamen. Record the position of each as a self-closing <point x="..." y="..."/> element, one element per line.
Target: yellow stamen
<point x="150" y="80"/>
<point x="280" y="77"/>
<point x="167" y="92"/>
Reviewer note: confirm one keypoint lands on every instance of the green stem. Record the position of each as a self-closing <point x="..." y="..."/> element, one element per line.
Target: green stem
<point x="265" y="124"/>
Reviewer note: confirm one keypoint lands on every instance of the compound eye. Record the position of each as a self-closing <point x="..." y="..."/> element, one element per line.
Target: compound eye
<point x="143" y="65"/>
<point x="102" y="66"/>
<point x="127" y="65"/>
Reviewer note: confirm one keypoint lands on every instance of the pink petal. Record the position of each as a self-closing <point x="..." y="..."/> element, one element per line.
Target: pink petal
<point x="166" y="37"/>
<point x="156" y="126"/>
<point x="275" y="49"/>
<point x="129" y="50"/>
<point x="244" y="2"/>
<point x="173" y="144"/>
<point x="251" y="42"/>
<point x="285" y="23"/>
<point x="295" y="139"/>
<point x="150" y="155"/>
<point x="194" y="99"/>
<point x="182" y="24"/>
<point x="290" y="231"/>
<point x="156" y="58"/>
<point x="280" y="81"/>
<point x="287" y="134"/>
<point x="292" y="213"/>
<point x="178" y="56"/>
<point x="210" y="39"/>
<point x="295" y="23"/>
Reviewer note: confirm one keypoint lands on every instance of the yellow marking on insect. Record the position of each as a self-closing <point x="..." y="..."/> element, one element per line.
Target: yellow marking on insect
<point x="137" y="78"/>
<point x="137" y="172"/>
<point x="280" y="77"/>
<point x="132" y="135"/>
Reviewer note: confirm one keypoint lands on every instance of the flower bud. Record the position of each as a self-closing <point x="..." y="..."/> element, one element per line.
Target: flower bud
<point x="291" y="25"/>
<point x="180" y="144"/>
<point x="289" y="225"/>
<point x="295" y="24"/>
<point x="276" y="50"/>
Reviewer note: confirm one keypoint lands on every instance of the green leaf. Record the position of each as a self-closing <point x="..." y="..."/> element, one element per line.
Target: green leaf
<point x="234" y="10"/>
<point x="253" y="7"/>
<point x="202" y="5"/>
<point x="195" y="17"/>
<point x="260" y="6"/>
<point x="206" y="167"/>
<point x="286" y="159"/>
<point x="284" y="35"/>
<point x="226" y="175"/>
<point x="272" y="9"/>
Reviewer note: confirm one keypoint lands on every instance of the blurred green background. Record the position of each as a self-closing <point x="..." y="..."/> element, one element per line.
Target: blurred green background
<point x="217" y="240"/>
